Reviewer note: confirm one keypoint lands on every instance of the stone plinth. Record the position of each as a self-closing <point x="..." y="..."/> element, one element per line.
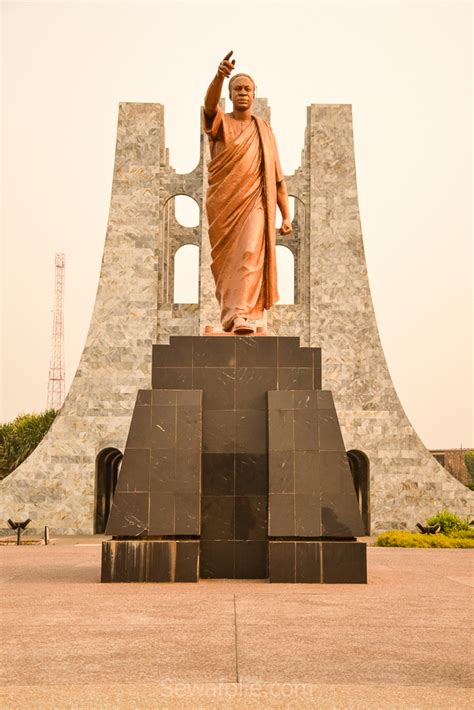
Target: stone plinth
<point x="258" y="399"/>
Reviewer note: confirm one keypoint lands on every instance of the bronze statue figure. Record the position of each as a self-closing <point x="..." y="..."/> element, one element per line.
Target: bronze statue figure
<point x="245" y="185"/>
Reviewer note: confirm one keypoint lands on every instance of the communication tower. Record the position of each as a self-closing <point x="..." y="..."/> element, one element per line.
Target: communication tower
<point x="56" y="379"/>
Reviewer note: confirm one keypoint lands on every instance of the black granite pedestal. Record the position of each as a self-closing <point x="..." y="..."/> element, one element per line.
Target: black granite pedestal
<point x="234" y="468"/>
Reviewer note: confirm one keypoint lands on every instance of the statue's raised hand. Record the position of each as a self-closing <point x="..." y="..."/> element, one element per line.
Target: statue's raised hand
<point x="226" y="67"/>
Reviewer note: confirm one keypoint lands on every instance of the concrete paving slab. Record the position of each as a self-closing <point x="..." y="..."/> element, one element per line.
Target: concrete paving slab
<point x="402" y="641"/>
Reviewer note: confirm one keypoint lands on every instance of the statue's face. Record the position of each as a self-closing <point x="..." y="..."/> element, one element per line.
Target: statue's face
<point x="242" y="93"/>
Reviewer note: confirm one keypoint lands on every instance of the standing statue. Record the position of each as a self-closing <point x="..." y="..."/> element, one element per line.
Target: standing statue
<point x="245" y="185"/>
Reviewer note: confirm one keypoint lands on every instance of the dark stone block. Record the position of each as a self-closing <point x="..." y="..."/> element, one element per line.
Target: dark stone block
<point x="280" y="400"/>
<point x="218" y="474"/>
<point x="177" y="354"/>
<point x="189" y="398"/>
<point x="344" y="562"/>
<point x="217" y="559"/>
<point x="188" y="428"/>
<point x="281" y="472"/>
<point x="281" y="561"/>
<point x="308" y="562"/>
<point x="281" y="515"/>
<point x="209" y="351"/>
<point x="291" y="355"/>
<point x="251" y="560"/>
<point x="187" y="561"/>
<point x="187" y="475"/>
<point x="162" y="469"/>
<point x="164" y="397"/>
<point x="217" y="517"/>
<point x="129" y="514"/>
<point x="172" y="378"/>
<point x="163" y="427"/>
<point x="317" y="360"/>
<point x="218" y="385"/>
<point x="334" y="467"/>
<point x="332" y="526"/>
<point x="325" y="400"/>
<point x="218" y="431"/>
<point x="187" y="505"/>
<point x="140" y="428"/>
<point x="143" y="398"/>
<point x="340" y="510"/>
<point x="306" y="429"/>
<point x="330" y="436"/>
<point x="250" y="518"/>
<point x="281" y="430"/>
<point x="251" y="431"/>
<point x="308" y="515"/>
<point x="307" y="472"/>
<point x="317" y="369"/>
<point x="251" y="474"/>
<point x="305" y="399"/>
<point x="135" y="471"/>
<point x="251" y="386"/>
<point x="136" y="561"/>
<point x="295" y="378"/>
<point x="256" y="352"/>
<point x="162" y="513"/>
<point x="149" y="561"/>
<point x="317" y="379"/>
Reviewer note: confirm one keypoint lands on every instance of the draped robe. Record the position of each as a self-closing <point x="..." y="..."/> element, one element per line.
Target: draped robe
<point x="241" y="208"/>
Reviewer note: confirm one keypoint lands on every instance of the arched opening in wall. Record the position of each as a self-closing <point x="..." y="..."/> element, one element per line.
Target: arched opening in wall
<point x="286" y="274"/>
<point x="107" y="467"/>
<point x="359" y="464"/>
<point x="186" y="274"/>
<point x="186" y="211"/>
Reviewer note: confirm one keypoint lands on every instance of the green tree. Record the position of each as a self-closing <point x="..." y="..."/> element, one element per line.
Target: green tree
<point x="21" y="436"/>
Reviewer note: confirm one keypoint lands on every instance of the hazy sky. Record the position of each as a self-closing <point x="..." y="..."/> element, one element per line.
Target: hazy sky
<point x="406" y="69"/>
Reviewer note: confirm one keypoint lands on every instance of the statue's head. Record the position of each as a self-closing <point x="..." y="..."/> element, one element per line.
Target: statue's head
<point x="242" y="91"/>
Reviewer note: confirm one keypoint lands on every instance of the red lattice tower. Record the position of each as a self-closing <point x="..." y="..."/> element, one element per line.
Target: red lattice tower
<point x="56" y="381"/>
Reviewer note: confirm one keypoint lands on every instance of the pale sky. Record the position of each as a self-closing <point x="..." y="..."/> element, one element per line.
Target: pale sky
<point x="405" y="68"/>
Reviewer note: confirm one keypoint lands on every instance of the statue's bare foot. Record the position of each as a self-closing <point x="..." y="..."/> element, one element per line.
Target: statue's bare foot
<point x="242" y="327"/>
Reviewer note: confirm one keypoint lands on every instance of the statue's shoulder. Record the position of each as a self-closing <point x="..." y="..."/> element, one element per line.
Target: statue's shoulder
<point x="264" y="122"/>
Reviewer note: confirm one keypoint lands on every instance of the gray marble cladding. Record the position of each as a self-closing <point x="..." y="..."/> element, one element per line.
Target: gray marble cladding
<point x="134" y="309"/>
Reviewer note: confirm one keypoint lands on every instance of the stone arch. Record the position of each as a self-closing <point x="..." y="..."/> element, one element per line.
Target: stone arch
<point x="359" y="464"/>
<point x="186" y="211"/>
<point x="186" y="274"/>
<point x="296" y="242"/>
<point x="107" y="468"/>
<point x="286" y="274"/>
<point x="172" y="236"/>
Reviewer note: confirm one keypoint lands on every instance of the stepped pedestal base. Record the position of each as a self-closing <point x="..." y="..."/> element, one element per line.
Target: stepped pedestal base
<point x="320" y="562"/>
<point x="150" y="561"/>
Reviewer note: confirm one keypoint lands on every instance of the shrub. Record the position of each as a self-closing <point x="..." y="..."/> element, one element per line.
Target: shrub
<point x="462" y="533"/>
<point x="401" y="538"/>
<point x="21" y="436"/>
<point x="449" y="522"/>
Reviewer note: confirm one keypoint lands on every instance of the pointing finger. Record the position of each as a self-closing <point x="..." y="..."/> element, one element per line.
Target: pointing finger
<point x="228" y="56"/>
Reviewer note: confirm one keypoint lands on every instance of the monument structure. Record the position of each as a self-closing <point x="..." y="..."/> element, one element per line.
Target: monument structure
<point x="68" y="482"/>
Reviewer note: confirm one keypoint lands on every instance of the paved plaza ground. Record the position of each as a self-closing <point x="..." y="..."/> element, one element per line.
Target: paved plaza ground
<point x="402" y="641"/>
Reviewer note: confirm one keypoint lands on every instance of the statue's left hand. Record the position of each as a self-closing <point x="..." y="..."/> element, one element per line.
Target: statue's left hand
<point x="286" y="227"/>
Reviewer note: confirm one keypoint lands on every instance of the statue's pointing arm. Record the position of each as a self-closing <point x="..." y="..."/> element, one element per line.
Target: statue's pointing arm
<point x="213" y="95"/>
